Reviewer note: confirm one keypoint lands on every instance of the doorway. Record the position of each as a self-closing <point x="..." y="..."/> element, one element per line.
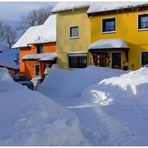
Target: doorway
<point x="116" y="60"/>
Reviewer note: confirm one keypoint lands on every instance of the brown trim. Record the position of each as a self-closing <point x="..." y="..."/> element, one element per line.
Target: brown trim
<point x="38" y="60"/>
<point x="108" y="49"/>
<point x="120" y="10"/>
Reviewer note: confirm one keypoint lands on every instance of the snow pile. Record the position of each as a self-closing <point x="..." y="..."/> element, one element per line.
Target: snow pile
<point x="8" y="58"/>
<point x="39" y="34"/>
<point x="108" y="43"/>
<point x="41" y="56"/>
<point x="65" y="6"/>
<point x="121" y="105"/>
<point x="109" y="6"/>
<point x="124" y="89"/>
<point x="29" y="118"/>
<point x="67" y="82"/>
<point x="111" y="106"/>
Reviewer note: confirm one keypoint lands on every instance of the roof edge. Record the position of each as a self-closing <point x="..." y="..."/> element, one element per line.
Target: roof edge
<point x="60" y="11"/>
<point x="119" y="10"/>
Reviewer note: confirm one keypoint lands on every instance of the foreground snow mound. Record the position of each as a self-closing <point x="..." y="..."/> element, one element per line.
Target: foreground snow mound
<point x="60" y="82"/>
<point x="121" y="106"/>
<point x="29" y="118"/>
<point x="128" y="86"/>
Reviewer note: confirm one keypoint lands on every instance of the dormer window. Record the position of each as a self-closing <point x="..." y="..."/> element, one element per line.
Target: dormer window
<point x="143" y="21"/>
<point x="108" y="25"/>
<point x="39" y="48"/>
<point x="74" y="32"/>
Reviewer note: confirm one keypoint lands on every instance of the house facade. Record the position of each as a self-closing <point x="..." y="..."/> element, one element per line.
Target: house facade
<point x="73" y="34"/>
<point x="38" y="48"/>
<point x="119" y="34"/>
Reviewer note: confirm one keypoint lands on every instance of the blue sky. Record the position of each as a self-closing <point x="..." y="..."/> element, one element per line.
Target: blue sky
<point x="11" y="11"/>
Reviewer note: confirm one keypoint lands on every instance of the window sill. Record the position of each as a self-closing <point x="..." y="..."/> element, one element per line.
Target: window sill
<point x="76" y="37"/>
<point x="143" y="29"/>
<point x="108" y="32"/>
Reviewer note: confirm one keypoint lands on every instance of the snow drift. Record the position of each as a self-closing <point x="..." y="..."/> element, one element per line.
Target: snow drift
<point x="29" y="118"/>
<point x="121" y="105"/>
<point x="111" y="105"/>
<point x="60" y="82"/>
<point x="128" y="87"/>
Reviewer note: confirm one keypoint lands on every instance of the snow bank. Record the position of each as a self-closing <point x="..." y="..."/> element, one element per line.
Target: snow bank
<point x="124" y="89"/>
<point x="111" y="106"/>
<point x="121" y="106"/>
<point x="29" y="118"/>
<point x="73" y="82"/>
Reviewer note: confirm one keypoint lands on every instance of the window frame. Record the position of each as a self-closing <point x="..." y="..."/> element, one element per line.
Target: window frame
<point x="74" y="37"/>
<point x="37" y="48"/>
<point x="141" y="58"/>
<point x="35" y="70"/>
<point x="141" y="29"/>
<point x="106" y="32"/>
<point x="77" y="55"/>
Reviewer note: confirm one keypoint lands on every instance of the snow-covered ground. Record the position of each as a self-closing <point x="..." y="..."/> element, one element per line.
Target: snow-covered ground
<point x="99" y="106"/>
<point x="111" y="105"/>
<point x="29" y="118"/>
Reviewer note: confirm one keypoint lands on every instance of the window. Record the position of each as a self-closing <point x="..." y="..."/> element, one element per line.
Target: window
<point x="37" y="70"/>
<point x="108" y="25"/>
<point x="74" y="32"/>
<point x="39" y="49"/>
<point x="144" y="58"/>
<point x="77" y="60"/>
<point x="143" y="21"/>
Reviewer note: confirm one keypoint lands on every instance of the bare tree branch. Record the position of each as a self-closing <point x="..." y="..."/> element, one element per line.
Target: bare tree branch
<point x="33" y="18"/>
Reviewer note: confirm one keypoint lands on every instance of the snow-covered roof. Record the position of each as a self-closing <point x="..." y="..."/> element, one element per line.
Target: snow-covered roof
<point x="97" y="7"/>
<point x="108" y="44"/>
<point x="41" y="57"/>
<point x="65" y="6"/>
<point x="39" y="34"/>
<point x="8" y="58"/>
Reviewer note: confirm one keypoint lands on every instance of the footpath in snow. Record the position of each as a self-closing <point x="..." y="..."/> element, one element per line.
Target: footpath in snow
<point x="29" y="118"/>
<point x="111" y="105"/>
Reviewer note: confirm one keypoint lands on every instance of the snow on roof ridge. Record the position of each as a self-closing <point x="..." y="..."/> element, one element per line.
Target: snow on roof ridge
<point x="39" y="34"/>
<point x="97" y="7"/>
<point x="65" y="6"/>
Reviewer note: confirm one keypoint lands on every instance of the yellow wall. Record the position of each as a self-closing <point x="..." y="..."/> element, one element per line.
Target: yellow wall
<point x="127" y="29"/>
<point x="65" y="20"/>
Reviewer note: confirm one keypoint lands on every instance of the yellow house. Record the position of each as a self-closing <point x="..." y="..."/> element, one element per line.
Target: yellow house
<point x="119" y="34"/>
<point x="73" y="34"/>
